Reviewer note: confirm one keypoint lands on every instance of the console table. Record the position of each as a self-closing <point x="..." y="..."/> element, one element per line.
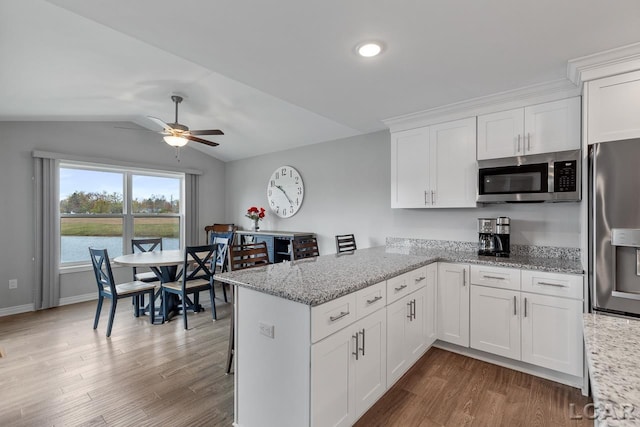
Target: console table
<point x="278" y="242"/>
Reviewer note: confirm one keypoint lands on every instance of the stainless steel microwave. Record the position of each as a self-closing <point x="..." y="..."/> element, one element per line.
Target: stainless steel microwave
<point x="549" y="177"/>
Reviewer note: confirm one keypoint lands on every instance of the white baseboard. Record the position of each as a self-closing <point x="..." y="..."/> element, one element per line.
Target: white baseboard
<point x="16" y="310"/>
<point x="78" y="298"/>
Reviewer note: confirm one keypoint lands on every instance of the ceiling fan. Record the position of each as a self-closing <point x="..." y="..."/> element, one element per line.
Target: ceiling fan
<point x="177" y="135"/>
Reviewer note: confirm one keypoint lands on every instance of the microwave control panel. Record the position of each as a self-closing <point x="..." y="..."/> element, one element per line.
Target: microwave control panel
<point x="565" y="176"/>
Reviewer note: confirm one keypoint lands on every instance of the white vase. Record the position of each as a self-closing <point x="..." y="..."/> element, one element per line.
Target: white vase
<point x="256" y="227"/>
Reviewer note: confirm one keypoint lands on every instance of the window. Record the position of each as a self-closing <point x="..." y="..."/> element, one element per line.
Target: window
<point x="106" y="207"/>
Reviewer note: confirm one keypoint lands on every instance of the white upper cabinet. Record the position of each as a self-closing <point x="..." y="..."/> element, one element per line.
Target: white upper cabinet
<point x="434" y="166"/>
<point x="613" y="108"/>
<point x="542" y="128"/>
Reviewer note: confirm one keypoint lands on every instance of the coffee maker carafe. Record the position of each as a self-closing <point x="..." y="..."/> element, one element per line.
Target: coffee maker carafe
<point x="486" y="233"/>
<point x="502" y="237"/>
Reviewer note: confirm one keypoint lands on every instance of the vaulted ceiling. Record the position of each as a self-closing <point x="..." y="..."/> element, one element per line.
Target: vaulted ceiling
<point x="281" y="74"/>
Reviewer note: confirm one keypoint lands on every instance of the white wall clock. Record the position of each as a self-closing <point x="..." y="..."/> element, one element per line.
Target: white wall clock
<point x="285" y="191"/>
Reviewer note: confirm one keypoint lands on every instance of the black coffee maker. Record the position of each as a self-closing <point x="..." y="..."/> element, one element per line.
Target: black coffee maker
<point x="486" y="239"/>
<point x="502" y="236"/>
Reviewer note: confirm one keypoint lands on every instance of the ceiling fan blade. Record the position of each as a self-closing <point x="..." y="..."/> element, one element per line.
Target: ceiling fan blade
<point x="206" y="132"/>
<point x="200" y="140"/>
<point x="159" y="122"/>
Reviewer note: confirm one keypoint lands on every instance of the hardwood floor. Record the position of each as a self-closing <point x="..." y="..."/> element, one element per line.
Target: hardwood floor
<point x="58" y="371"/>
<point x="448" y="389"/>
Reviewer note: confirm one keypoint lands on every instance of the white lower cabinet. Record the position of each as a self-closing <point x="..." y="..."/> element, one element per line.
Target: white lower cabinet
<point x="453" y="303"/>
<point x="495" y="321"/>
<point x="543" y="330"/>
<point x="348" y="371"/>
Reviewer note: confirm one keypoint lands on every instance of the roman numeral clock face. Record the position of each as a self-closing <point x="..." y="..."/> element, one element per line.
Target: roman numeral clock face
<point x="285" y="191"/>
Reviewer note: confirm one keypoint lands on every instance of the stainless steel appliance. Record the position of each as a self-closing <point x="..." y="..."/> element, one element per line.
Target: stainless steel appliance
<point x="551" y="177"/>
<point x="486" y="236"/>
<point x="503" y="236"/>
<point x="614" y="226"/>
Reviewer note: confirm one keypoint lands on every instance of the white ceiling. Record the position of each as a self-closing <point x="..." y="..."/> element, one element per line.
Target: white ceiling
<point x="280" y="74"/>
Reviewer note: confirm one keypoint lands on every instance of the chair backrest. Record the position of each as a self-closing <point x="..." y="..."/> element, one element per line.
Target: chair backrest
<point x="345" y="243"/>
<point x="102" y="271"/>
<point x="200" y="259"/>
<point x="146" y="245"/>
<point x="305" y="247"/>
<point x="222" y="245"/>
<point x="220" y="230"/>
<point x="248" y="255"/>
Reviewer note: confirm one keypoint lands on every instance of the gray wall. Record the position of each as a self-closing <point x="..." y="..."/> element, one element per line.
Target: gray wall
<point x="347" y="190"/>
<point x="92" y="140"/>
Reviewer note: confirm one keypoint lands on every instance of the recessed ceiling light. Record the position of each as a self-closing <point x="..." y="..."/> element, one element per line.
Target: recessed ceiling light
<point x="369" y="49"/>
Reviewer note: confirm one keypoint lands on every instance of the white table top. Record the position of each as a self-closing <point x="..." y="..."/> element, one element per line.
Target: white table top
<point x="151" y="259"/>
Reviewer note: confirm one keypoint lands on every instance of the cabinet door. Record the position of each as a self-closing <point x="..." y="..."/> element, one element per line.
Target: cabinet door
<point x="453" y="303"/>
<point x="430" y="313"/>
<point x="495" y="321"/>
<point x="453" y="169"/>
<point x="409" y="171"/>
<point x="397" y="315"/>
<point x="501" y="134"/>
<point x="552" y="333"/>
<point x="415" y="334"/>
<point x="371" y="366"/>
<point x="613" y="108"/>
<point x="332" y="379"/>
<point x="552" y="126"/>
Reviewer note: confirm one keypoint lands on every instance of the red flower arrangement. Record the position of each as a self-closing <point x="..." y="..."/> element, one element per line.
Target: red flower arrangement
<point x="255" y="213"/>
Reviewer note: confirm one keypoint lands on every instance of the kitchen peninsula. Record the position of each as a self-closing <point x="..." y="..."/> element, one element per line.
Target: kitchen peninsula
<point x="318" y="341"/>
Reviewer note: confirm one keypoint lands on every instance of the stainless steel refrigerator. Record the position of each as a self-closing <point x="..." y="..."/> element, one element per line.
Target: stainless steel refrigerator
<point x="614" y="226"/>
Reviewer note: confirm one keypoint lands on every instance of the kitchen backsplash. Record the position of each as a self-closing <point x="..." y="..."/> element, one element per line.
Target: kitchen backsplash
<point x="516" y="250"/>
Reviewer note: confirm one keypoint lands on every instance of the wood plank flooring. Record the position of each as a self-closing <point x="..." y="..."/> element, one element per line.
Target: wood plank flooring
<point x="58" y="371"/>
<point x="448" y="389"/>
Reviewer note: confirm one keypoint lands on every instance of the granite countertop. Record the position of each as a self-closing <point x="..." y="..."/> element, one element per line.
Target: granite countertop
<point x="318" y="280"/>
<point x="613" y="356"/>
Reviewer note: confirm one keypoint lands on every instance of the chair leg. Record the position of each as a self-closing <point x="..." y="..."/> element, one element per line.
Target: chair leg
<point x="213" y="303"/>
<point x="184" y="310"/>
<point x="152" y="306"/>
<point x="98" y="310"/>
<point x="136" y="306"/>
<point x="224" y="291"/>
<point x="165" y="311"/>
<point x="112" y="314"/>
<point x="231" y="347"/>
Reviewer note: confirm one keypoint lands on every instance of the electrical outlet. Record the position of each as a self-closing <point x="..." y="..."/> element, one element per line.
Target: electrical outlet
<point x="13" y="284"/>
<point x="266" y="329"/>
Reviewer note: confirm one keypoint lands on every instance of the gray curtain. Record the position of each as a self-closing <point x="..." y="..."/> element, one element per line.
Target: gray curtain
<point x="192" y="219"/>
<point x="47" y="227"/>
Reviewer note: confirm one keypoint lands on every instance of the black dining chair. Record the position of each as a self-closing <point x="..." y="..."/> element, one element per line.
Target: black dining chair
<point x="305" y="247"/>
<point x="345" y="243"/>
<point x="193" y="281"/>
<point x="107" y="288"/>
<point x="222" y="262"/>
<point x="145" y="245"/>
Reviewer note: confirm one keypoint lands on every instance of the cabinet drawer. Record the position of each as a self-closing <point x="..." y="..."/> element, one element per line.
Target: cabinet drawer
<point x="371" y="299"/>
<point x="496" y="277"/>
<point x="332" y="316"/>
<point x="404" y="284"/>
<point x="556" y="284"/>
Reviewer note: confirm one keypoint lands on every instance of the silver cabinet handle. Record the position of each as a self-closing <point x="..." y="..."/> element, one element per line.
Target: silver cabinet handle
<point x="425" y="197"/>
<point x="464" y="277"/>
<point x="525" y="307"/>
<point x="552" y="284"/>
<point x="413" y="314"/>
<point x="432" y="196"/>
<point x="528" y="141"/>
<point x="420" y="279"/>
<point x="398" y="289"/>
<point x="371" y="301"/>
<point x="362" y="348"/>
<point x="410" y="315"/>
<point x="517" y="151"/>
<point x="494" y="277"/>
<point x="339" y="316"/>
<point x="514" y="306"/>
<point x="356" y="336"/>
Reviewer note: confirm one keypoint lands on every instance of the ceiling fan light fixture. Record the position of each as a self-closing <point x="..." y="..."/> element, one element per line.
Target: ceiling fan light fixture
<point x="175" y="141"/>
<point x="369" y="49"/>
